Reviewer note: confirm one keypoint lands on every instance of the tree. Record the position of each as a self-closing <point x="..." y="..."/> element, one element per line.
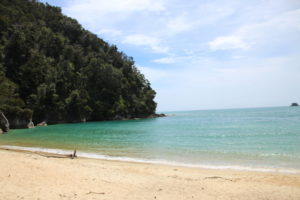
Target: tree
<point x="54" y="68"/>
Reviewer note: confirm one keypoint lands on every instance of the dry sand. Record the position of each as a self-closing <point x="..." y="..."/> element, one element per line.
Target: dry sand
<point x="31" y="176"/>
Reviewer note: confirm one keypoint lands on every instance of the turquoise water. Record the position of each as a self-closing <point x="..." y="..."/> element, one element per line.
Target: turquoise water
<point x="256" y="138"/>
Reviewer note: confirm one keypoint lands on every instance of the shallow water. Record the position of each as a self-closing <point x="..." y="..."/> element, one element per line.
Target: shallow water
<point x="257" y="138"/>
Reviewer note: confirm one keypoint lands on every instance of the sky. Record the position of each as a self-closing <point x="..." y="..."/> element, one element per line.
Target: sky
<point x="203" y="54"/>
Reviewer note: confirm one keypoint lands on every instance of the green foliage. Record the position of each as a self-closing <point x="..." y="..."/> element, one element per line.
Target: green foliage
<point x="51" y="67"/>
<point x="10" y="103"/>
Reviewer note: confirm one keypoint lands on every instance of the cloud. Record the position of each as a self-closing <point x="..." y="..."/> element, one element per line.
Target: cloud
<point x="153" y="75"/>
<point x="114" y="33"/>
<point x="178" y="24"/>
<point x="205" y="54"/>
<point x="166" y="60"/>
<point x="177" y="59"/>
<point x="111" y="6"/>
<point x="228" y="42"/>
<point x="262" y="34"/>
<point x="150" y="42"/>
<point x="246" y="83"/>
<point x="91" y="12"/>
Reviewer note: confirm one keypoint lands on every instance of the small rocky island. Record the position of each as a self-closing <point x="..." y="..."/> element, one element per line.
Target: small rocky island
<point x="294" y="104"/>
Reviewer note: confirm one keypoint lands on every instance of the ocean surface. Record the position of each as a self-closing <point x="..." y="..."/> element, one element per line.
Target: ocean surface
<point x="261" y="139"/>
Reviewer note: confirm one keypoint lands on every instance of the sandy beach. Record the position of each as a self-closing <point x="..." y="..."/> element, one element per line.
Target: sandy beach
<point x="26" y="175"/>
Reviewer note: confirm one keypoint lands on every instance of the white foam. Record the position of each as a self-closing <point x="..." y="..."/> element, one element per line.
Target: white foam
<point x="156" y="161"/>
<point x="39" y="149"/>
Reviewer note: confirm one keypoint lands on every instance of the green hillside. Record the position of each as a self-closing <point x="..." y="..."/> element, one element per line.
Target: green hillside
<point x="54" y="70"/>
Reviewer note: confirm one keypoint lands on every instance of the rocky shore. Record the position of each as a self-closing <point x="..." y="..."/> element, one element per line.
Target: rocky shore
<point x="6" y="124"/>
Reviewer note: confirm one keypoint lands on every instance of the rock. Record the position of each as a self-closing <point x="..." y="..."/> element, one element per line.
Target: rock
<point x="156" y="115"/>
<point x="119" y="117"/>
<point x="18" y="122"/>
<point x="136" y="118"/>
<point x="30" y="124"/>
<point x="42" y="124"/>
<point x="4" y="124"/>
<point x="294" y="104"/>
<point x="1" y="132"/>
<point x="18" y="118"/>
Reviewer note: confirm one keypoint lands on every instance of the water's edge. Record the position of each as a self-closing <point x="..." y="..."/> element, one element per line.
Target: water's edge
<point x="149" y="161"/>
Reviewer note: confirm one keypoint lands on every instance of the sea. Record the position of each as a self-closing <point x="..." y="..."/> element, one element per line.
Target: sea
<point x="254" y="139"/>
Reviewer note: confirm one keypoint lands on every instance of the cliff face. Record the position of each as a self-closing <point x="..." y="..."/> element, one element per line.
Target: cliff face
<point x="15" y="118"/>
<point x="53" y="70"/>
<point x="17" y="122"/>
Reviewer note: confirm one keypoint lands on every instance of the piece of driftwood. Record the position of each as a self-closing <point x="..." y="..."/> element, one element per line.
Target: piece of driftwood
<point x="95" y="192"/>
<point x="45" y="154"/>
<point x="54" y="155"/>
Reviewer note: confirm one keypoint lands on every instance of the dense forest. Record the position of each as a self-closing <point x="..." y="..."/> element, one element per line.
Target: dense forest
<point x="53" y="70"/>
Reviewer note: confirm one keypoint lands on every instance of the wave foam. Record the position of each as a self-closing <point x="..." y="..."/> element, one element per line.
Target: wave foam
<point x="156" y="161"/>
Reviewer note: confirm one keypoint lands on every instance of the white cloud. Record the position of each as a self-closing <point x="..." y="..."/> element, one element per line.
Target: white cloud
<point x="246" y="83"/>
<point x="228" y="42"/>
<point x="166" y="60"/>
<point x="102" y="12"/>
<point x="104" y="6"/>
<point x="153" y="75"/>
<point x="269" y="31"/>
<point x="177" y="59"/>
<point x="259" y="41"/>
<point x="113" y="33"/>
<point x="179" y="24"/>
<point x="150" y="42"/>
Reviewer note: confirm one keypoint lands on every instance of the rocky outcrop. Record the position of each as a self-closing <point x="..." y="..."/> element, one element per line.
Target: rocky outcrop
<point x="294" y="104"/>
<point x="4" y="124"/>
<point x="157" y="115"/>
<point x="19" y="122"/>
<point x="17" y="117"/>
<point x="30" y="124"/>
<point x="42" y="124"/>
<point x="119" y="117"/>
<point x="161" y="115"/>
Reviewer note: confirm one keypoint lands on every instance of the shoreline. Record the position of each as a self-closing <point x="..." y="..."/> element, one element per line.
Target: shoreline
<point x="94" y="156"/>
<point x="25" y="175"/>
<point x="30" y="124"/>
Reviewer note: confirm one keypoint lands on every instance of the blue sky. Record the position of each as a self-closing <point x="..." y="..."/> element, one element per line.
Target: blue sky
<point x="204" y="54"/>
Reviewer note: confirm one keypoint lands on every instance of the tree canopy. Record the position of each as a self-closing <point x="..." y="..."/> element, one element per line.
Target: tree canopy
<point x="53" y="69"/>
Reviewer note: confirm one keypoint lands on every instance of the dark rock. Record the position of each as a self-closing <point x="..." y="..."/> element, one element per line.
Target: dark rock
<point x="156" y="115"/>
<point x="17" y="122"/>
<point x="4" y="124"/>
<point x="119" y="117"/>
<point x="18" y="118"/>
<point x="294" y="104"/>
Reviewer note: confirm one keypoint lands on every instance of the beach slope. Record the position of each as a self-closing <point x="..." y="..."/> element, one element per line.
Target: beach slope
<point x="31" y="176"/>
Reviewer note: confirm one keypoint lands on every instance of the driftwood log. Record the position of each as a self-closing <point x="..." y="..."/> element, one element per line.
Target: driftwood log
<point x="54" y="155"/>
<point x="45" y="154"/>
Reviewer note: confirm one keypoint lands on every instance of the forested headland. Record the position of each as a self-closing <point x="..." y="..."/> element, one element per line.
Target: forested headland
<point x="53" y="70"/>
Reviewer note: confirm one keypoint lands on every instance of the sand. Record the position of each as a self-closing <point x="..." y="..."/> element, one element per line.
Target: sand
<point x="31" y="176"/>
